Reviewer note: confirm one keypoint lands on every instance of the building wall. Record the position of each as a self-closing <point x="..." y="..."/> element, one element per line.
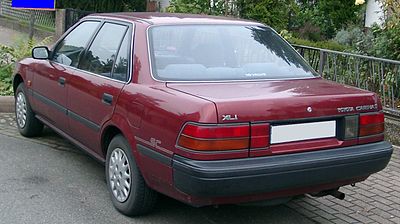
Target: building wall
<point x="374" y="13"/>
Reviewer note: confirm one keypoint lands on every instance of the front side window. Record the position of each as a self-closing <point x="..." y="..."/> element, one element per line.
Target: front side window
<point x="223" y="52"/>
<point x="69" y="50"/>
<point x="102" y="53"/>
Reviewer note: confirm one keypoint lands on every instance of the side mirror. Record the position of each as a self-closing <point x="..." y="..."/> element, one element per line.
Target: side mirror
<point x="41" y="53"/>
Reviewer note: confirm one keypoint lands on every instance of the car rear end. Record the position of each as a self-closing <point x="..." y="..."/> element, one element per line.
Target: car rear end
<point x="274" y="165"/>
<point x="281" y="130"/>
<point x="306" y="152"/>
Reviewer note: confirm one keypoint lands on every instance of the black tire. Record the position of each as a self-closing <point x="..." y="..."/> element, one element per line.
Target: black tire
<point x="141" y="199"/>
<point x="32" y="127"/>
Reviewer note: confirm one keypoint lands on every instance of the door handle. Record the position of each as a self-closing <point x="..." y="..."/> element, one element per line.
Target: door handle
<point x="107" y="99"/>
<point x="61" y="81"/>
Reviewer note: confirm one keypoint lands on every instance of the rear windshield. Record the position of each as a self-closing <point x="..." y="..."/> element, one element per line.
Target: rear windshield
<point x="222" y="53"/>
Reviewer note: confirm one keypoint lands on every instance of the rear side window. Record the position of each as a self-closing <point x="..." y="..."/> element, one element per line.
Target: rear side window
<point x="121" y="65"/>
<point x="102" y="53"/>
<point x="223" y="52"/>
<point x="69" y="50"/>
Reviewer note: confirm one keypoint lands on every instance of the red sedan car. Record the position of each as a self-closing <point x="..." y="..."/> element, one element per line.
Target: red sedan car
<point x="206" y="110"/>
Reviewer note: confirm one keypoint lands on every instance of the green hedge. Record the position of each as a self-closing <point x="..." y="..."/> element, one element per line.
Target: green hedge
<point x="328" y="44"/>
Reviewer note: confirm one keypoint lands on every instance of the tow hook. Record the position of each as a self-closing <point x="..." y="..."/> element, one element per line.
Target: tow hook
<point x="333" y="192"/>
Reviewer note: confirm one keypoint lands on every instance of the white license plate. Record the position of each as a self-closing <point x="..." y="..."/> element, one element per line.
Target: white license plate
<point x="301" y="132"/>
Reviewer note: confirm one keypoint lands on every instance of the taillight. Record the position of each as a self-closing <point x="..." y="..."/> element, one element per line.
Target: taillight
<point x="216" y="131"/>
<point x="371" y="124"/>
<point x="214" y="138"/>
<point x="223" y="137"/>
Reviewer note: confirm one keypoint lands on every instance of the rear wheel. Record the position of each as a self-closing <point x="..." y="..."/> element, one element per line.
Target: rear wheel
<point x="28" y="124"/>
<point x="129" y="192"/>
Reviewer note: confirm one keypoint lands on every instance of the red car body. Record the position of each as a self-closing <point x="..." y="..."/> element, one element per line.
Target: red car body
<point x="151" y="114"/>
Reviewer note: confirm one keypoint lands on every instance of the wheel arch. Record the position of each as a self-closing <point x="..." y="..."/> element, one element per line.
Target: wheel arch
<point x="16" y="81"/>
<point x="107" y="135"/>
<point x="119" y="125"/>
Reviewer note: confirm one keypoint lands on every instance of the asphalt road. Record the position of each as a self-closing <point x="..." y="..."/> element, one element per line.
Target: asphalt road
<point x="40" y="184"/>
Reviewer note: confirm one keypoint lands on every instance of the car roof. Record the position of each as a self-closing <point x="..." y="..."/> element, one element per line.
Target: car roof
<point x="154" y="18"/>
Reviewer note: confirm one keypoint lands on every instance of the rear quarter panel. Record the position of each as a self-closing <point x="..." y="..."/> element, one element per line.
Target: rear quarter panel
<point x="157" y="112"/>
<point x="152" y="116"/>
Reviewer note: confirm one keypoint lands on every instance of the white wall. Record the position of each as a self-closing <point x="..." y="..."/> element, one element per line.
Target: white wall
<point x="374" y="13"/>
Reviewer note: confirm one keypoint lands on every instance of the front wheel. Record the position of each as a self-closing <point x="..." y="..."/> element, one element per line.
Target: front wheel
<point x="28" y="124"/>
<point x="129" y="192"/>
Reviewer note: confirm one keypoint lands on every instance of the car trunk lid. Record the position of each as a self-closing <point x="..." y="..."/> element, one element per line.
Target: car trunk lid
<point x="281" y="100"/>
<point x="299" y="115"/>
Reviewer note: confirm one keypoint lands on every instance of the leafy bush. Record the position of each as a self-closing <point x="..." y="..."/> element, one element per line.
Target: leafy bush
<point x="387" y="39"/>
<point x="275" y="13"/>
<point x="6" y="70"/>
<point x="5" y="82"/>
<point x="349" y="36"/>
<point x="359" y="41"/>
<point x="216" y="7"/>
<point x="383" y="42"/>
<point x="10" y="55"/>
<point x="330" y="16"/>
<point x="328" y="44"/>
<point x="310" y="32"/>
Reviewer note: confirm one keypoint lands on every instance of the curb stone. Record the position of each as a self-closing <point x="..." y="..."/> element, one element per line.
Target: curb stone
<point x="7" y="104"/>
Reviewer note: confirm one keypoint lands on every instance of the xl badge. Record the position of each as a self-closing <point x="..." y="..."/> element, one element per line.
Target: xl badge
<point x="230" y="117"/>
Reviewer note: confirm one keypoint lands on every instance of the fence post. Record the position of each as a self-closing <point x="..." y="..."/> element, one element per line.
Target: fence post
<point x="32" y="19"/>
<point x="322" y="57"/>
<point x="60" y="22"/>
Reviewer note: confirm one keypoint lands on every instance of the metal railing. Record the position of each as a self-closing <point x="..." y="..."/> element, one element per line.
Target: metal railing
<point x="43" y="18"/>
<point x="370" y="73"/>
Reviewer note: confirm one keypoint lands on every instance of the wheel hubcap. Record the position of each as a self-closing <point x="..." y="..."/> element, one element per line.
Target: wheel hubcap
<point x="119" y="175"/>
<point x="21" y="110"/>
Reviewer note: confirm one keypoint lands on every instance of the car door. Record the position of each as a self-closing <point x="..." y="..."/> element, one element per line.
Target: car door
<point x="51" y="76"/>
<point x="94" y="88"/>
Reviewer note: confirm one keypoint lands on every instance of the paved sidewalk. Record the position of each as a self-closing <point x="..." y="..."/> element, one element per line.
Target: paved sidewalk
<point x="376" y="200"/>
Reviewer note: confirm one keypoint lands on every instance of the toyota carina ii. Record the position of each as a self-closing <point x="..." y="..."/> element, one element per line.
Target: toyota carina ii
<point x="206" y="110"/>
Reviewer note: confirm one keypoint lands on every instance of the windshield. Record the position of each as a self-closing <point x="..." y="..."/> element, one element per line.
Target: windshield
<point x="222" y="53"/>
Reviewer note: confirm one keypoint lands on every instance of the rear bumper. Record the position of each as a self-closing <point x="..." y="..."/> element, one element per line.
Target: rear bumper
<point x="226" y="178"/>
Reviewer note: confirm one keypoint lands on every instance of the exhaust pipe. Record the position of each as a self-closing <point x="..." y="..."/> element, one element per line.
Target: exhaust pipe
<point x="337" y="194"/>
<point x="333" y="192"/>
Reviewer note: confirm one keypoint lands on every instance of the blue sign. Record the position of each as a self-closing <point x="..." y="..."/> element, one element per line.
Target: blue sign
<point x="34" y="4"/>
